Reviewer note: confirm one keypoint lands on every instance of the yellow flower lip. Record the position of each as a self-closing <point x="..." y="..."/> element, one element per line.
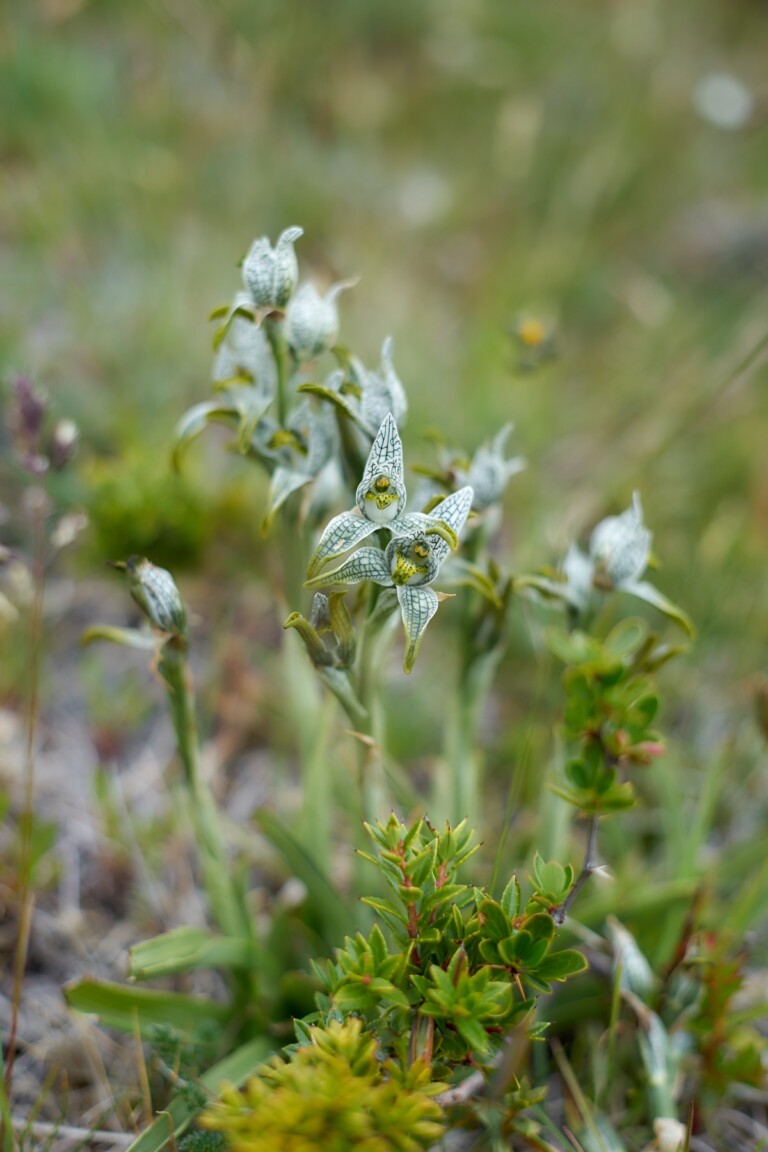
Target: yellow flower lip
<point x="382" y="499"/>
<point x="404" y="570"/>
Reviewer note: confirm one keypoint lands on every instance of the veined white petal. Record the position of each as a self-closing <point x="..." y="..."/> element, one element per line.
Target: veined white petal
<point x="341" y="533"/>
<point x="417" y="607"/>
<point x="365" y="564"/>
<point x="386" y="455"/>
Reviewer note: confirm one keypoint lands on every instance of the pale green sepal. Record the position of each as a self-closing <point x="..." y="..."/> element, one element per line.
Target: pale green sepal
<point x="194" y="421"/>
<point x="317" y="651"/>
<point x="366" y="564"/>
<point x="341" y="533"/>
<point x="128" y="637"/>
<point x="417" y="606"/>
<point x="172" y="1121"/>
<point x="284" y="481"/>
<point x="651" y="595"/>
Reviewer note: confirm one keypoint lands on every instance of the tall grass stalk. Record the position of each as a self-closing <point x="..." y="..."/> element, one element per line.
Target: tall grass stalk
<point x="37" y="507"/>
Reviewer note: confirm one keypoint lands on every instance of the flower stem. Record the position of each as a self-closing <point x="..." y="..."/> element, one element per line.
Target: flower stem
<point x="273" y="326"/>
<point x="227" y="905"/>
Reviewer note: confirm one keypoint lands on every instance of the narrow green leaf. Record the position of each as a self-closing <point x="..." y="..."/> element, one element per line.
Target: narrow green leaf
<point x="118" y="1006"/>
<point x="651" y="595"/>
<point x="333" y="917"/>
<point x="233" y="1069"/>
<point x="185" y="949"/>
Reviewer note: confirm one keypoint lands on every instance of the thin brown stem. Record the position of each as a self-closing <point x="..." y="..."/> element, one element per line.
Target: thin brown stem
<point x="559" y="914"/>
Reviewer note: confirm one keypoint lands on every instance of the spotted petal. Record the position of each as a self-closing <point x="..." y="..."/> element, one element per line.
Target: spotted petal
<point x="342" y="533"/>
<point x="366" y="564"/>
<point x="417" y="606"/>
<point x="454" y="511"/>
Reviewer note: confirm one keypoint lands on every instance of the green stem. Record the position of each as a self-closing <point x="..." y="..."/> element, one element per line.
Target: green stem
<point x="227" y="904"/>
<point x="273" y="327"/>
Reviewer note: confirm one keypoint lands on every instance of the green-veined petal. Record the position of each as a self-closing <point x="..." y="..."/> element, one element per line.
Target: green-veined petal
<point x="454" y="511"/>
<point x="366" y="564"/>
<point x="417" y="606"/>
<point x="341" y="533"/>
<point x="386" y="455"/>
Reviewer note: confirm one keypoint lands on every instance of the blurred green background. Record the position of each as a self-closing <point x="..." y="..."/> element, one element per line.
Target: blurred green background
<point x="472" y="162"/>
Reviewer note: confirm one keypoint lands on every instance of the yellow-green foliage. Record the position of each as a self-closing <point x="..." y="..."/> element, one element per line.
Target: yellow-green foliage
<point x="333" y="1094"/>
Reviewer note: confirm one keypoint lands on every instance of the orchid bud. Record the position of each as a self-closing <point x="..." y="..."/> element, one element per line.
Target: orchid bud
<point x="155" y="591"/>
<point x="312" y="321"/>
<point x="271" y="274"/>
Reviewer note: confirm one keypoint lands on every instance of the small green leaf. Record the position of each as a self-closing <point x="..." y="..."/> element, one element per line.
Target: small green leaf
<point x="474" y="1034"/>
<point x="560" y="966"/>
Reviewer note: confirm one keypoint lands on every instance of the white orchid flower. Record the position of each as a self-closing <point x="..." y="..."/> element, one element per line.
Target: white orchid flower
<point x="619" y="551"/>
<point x="380" y="500"/>
<point x="409" y="564"/>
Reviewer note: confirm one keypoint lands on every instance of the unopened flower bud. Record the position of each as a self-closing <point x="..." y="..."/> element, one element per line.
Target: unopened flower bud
<point x="312" y="321"/>
<point x="271" y="274"/>
<point x="155" y="591"/>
